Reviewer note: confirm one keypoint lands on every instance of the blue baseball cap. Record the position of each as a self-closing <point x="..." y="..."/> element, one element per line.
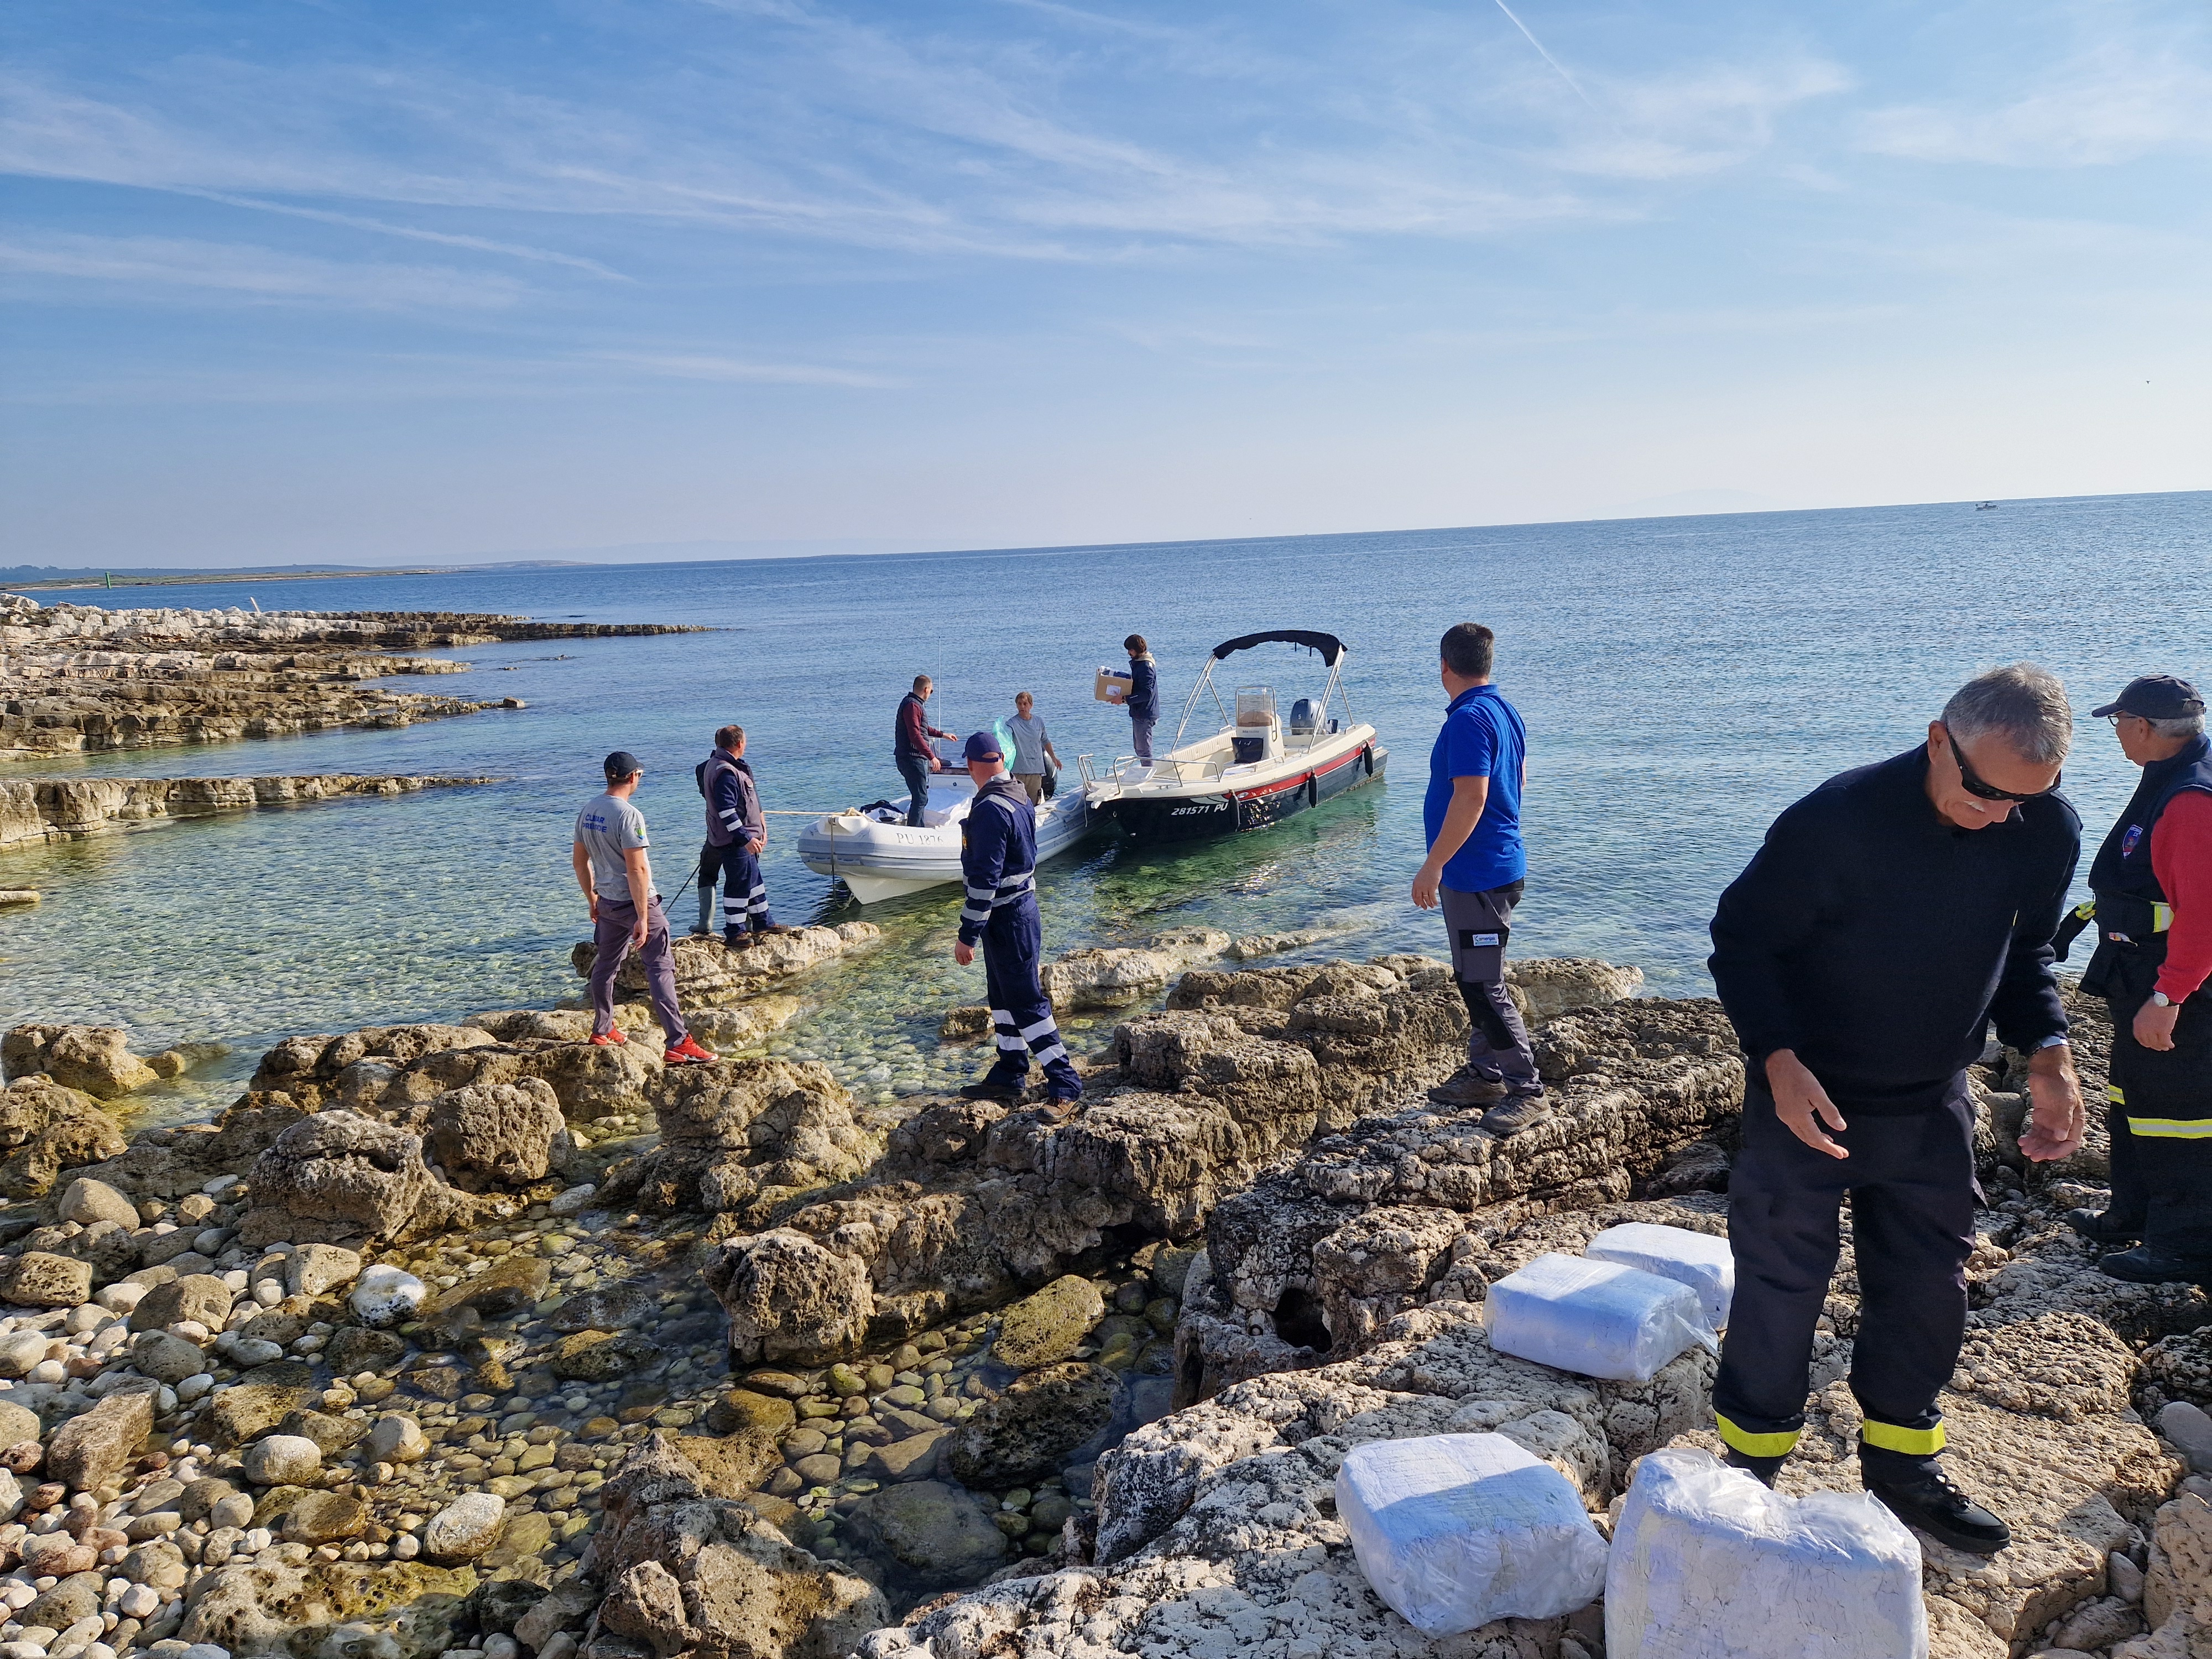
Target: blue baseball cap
<point x="983" y="746"/>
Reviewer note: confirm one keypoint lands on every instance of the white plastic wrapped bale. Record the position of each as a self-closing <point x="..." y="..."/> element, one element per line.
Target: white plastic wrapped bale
<point x="1703" y="1262"/>
<point x="1708" y="1564"/>
<point x="1593" y="1318"/>
<point x="1454" y="1530"/>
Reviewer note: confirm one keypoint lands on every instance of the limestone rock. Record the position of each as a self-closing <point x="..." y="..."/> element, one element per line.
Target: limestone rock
<point x="507" y="1286"/>
<point x="91" y="1450"/>
<point x="466" y="1528"/>
<point x="45" y="1127"/>
<point x="497" y="1134"/>
<point x="789" y="1298"/>
<point x="312" y="1269"/>
<point x="282" y="1460"/>
<point x="252" y="1610"/>
<point x="1032" y="1428"/>
<point x="744" y="1134"/>
<point x="936" y="1534"/>
<point x="708" y="971"/>
<point x="1112" y="977"/>
<point x="201" y="1298"/>
<point x="86" y="1200"/>
<point x="1049" y="1327"/>
<point x="1547" y="988"/>
<point x="338" y="1177"/>
<point x="95" y="1060"/>
<point x="40" y="1279"/>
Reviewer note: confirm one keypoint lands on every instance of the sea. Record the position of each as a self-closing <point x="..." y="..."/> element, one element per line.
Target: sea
<point x="1683" y="679"/>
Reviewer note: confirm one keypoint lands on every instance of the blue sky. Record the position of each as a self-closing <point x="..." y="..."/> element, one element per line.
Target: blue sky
<point x="320" y="280"/>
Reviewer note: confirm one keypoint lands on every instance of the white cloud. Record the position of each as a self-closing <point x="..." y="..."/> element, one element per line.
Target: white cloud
<point x="682" y="366"/>
<point x="253" y="274"/>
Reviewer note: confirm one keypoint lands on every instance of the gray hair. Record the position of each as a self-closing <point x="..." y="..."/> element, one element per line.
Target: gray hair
<point x="2182" y="726"/>
<point x="2023" y="704"/>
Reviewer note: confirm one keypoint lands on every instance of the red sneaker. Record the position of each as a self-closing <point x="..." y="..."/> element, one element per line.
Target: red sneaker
<point x="688" y="1052"/>
<point x="608" y="1039"/>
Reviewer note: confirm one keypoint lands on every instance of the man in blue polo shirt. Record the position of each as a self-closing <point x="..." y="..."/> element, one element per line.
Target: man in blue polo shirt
<point x="1475" y="869"/>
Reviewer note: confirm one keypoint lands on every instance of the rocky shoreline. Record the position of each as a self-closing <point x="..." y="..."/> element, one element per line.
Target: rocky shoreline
<point x="477" y="1340"/>
<point x="42" y="809"/>
<point x="77" y="679"/>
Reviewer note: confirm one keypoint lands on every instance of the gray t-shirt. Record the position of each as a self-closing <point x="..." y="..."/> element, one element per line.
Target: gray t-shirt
<point x="604" y="828"/>
<point x="1029" y="744"/>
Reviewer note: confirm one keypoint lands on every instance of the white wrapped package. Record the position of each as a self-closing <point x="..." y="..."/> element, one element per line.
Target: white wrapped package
<point x="1703" y="1262"/>
<point x="1708" y="1564"/>
<point x="1595" y="1318"/>
<point x="1457" y="1529"/>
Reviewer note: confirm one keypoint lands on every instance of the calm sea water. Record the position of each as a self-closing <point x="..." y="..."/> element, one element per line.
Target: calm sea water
<point x="1682" y="678"/>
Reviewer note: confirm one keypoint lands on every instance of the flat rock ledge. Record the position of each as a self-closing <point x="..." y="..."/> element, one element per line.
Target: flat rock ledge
<point x="81" y="678"/>
<point x="40" y="810"/>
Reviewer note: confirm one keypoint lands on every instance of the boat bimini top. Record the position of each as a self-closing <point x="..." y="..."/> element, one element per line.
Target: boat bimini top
<point x="1255" y="705"/>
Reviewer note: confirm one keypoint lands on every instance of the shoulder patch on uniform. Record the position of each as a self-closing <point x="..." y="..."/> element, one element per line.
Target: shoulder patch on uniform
<point x="2129" y="842"/>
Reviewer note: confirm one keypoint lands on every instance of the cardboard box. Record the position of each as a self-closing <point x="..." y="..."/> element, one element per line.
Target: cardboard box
<point x="1112" y="685"/>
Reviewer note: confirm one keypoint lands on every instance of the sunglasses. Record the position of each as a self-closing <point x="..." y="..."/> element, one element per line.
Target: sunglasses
<point x="1975" y="785"/>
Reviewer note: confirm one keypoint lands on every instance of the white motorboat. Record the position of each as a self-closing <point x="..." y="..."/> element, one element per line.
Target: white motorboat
<point x="872" y="850"/>
<point x="1255" y="771"/>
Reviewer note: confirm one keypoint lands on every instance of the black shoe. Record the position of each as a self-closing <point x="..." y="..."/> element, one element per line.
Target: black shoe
<point x="2099" y="1227"/>
<point x="1761" y="1469"/>
<point x="1928" y="1500"/>
<point x="1004" y="1092"/>
<point x="2151" y="1264"/>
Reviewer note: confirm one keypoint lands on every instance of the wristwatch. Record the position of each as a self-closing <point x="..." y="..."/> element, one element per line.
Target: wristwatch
<point x="2159" y="999"/>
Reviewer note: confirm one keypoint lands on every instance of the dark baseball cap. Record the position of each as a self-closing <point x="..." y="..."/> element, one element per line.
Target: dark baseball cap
<point x="983" y="746"/>
<point x="622" y="764"/>
<point x="2155" y="697"/>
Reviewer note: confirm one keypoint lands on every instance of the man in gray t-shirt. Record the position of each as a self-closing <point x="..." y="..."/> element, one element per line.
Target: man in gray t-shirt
<point x="1033" y="749"/>
<point x="610" y="861"/>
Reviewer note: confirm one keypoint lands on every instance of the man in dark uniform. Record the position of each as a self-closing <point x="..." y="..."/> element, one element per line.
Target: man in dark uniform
<point x="2151" y="885"/>
<point x="998" y="859"/>
<point x="737" y="834"/>
<point x="1889" y="917"/>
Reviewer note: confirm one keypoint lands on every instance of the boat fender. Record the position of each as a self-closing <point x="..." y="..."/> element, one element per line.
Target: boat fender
<point x="1367" y="759"/>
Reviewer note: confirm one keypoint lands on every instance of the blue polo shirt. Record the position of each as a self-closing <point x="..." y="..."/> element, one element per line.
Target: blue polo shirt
<point x="1482" y="737"/>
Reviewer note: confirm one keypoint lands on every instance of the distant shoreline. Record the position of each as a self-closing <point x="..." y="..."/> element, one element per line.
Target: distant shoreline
<point x="102" y="581"/>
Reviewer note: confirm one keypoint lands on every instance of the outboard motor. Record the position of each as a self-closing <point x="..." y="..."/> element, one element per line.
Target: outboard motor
<point x="1303" y="722"/>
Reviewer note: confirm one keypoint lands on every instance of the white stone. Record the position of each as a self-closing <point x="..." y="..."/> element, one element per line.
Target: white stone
<point x="86" y="1200"/>
<point x="386" y="1294"/>
<point x="121" y="1297"/>
<point x="248" y="1350"/>
<point x="398" y="1438"/>
<point x="2191" y="1431"/>
<point x="465" y="1528"/>
<point x="138" y="1601"/>
<point x="21" y="1355"/>
<point x="219" y="1185"/>
<point x="268" y="1292"/>
<point x="233" y="1510"/>
<point x="572" y="1200"/>
<point x="406" y="1547"/>
<point x="193" y="1386"/>
<point x="282" y="1460"/>
<point x="315" y="1268"/>
<point x="205" y="1650"/>
<point x="497" y="1646"/>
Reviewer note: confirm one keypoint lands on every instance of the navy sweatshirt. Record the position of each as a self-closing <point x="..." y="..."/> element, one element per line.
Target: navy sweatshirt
<point x="1876" y="940"/>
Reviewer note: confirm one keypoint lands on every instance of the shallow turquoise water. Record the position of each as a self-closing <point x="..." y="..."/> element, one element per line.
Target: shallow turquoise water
<point x="1683" y="679"/>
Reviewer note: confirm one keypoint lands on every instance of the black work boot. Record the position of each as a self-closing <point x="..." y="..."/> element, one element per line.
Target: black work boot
<point x="1761" y="1469"/>
<point x="2154" y="1264"/>
<point x="1519" y="1112"/>
<point x="1468" y="1087"/>
<point x="1919" y="1493"/>
<point x="2103" y="1227"/>
<point x="996" y="1085"/>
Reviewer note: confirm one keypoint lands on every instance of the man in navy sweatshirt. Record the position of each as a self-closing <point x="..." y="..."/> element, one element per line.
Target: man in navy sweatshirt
<point x="1890" y="917"/>
<point x="737" y="835"/>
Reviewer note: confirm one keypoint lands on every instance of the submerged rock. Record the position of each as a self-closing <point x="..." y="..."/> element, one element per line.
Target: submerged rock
<point x="95" y="1060"/>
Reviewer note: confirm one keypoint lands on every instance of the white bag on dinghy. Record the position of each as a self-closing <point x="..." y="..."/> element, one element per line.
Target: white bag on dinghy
<point x="1708" y="1564"/>
<point x="1454" y="1530"/>
<point x="1593" y="1318"/>
<point x="1703" y="1262"/>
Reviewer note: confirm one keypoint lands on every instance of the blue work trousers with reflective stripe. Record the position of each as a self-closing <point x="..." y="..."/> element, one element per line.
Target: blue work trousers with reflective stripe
<point x="2159" y="1112"/>
<point x="1021" y="1018"/>
<point x="1911" y="1183"/>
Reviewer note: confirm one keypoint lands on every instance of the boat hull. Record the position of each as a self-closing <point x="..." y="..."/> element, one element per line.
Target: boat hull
<point x="1200" y="814"/>
<point x="879" y="861"/>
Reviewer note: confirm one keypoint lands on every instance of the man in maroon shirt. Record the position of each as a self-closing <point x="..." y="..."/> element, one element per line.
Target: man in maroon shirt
<point x="2153" y="907"/>
<point x="910" y="737"/>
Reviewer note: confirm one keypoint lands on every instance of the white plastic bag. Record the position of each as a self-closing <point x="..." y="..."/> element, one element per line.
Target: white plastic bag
<point x="1703" y="1262"/>
<point x="1595" y="1318"/>
<point x="1708" y="1564"/>
<point x="1454" y="1530"/>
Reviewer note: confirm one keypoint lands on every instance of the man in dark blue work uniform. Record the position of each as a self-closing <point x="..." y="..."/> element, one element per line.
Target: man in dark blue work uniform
<point x="737" y="834"/>
<point x="998" y="861"/>
<point x="1476" y="870"/>
<point x="1890" y="916"/>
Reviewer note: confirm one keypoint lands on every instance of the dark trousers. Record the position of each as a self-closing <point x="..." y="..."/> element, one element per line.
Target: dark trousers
<point x="915" y="770"/>
<point x="1912" y="1183"/>
<point x="1021" y="1016"/>
<point x="1479" y="925"/>
<point x="610" y="933"/>
<point x="744" y="894"/>
<point x="2159" y="1112"/>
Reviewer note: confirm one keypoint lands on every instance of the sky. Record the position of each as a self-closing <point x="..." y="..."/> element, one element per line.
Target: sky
<point x="384" y="281"/>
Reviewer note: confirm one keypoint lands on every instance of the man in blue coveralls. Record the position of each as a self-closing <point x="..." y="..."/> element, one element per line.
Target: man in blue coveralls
<point x="998" y="859"/>
<point x="1476" y="869"/>
<point x="737" y="835"/>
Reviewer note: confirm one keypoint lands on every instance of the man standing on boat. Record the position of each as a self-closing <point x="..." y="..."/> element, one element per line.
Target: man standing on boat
<point x="998" y="861"/>
<point x="1143" y="700"/>
<point x="737" y="835"/>
<point x="1889" y="919"/>
<point x="1476" y="870"/>
<point x="910" y="748"/>
<point x="608" y="856"/>
<point x="2152" y="883"/>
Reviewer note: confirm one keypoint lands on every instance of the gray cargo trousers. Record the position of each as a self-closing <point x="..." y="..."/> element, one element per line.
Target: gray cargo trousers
<point x="1496" y="1041"/>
